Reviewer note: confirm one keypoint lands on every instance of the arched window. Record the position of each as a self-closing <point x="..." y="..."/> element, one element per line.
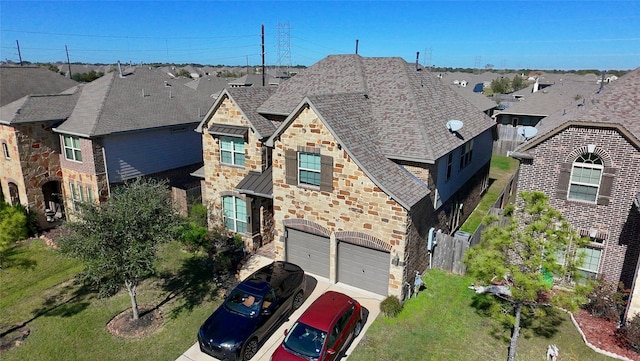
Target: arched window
<point x="235" y="213"/>
<point x="586" y="175"/>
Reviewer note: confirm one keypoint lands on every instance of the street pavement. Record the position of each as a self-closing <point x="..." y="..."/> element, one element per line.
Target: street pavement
<point x="315" y="286"/>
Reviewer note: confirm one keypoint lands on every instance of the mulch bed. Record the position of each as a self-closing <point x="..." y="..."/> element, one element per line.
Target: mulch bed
<point x="123" y="325"/>
<point x="601" y="334"/>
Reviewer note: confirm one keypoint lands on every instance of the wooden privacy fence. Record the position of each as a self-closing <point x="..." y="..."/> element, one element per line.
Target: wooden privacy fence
<point x="449" y="251"/>
<point x="508" y="139"/>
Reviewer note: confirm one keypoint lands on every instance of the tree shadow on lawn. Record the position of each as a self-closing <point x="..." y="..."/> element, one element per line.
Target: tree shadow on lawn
<point x="66" y="300"/>
<point x="15" y="257"/>
<point x="193" y="284"/>
<point x="544" y="323"/>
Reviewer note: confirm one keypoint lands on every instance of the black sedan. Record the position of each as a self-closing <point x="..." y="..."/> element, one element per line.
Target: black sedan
<point x="251" y="311"/>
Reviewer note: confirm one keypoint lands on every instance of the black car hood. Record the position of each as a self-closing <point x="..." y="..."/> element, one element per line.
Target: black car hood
<point x="224" y="326"/>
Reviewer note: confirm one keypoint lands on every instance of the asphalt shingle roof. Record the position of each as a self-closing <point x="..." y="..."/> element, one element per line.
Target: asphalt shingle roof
<point x="617" y="105"/>
<point x="38" y="108"/>
<point x="551" y="99"/>
<point x="19" y="81"/>
<point x="409" y="108"/>
<point x="348" y="116"/>
<point x="140" y="100"/>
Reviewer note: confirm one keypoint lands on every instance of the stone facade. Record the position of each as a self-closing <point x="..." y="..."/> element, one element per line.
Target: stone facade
<point x="11" y="167"/>
<point x="219" y="179"/>
<point x="617" y="222"/>
<point x="34" y="162"/>
<point x="355" y="204"/>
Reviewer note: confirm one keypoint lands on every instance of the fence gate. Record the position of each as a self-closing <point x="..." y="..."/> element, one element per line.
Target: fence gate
<point x="449" y="251"/>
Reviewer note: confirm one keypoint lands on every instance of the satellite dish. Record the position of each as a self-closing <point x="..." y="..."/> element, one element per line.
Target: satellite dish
<point x="454" y="125"/>
<point x="527" y="132"/>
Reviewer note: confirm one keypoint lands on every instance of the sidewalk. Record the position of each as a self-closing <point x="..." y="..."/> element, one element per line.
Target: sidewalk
<point x="314" y="288"/>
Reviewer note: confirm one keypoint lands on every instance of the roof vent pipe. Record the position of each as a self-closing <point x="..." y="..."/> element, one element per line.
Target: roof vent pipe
<point x="417" y="58"/>
<point x="357" y="46"/>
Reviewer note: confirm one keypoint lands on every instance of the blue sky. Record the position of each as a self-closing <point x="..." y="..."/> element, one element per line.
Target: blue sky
<point x="512" y="34"/>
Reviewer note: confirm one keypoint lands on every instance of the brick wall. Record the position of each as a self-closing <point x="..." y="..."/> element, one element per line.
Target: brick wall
<point x="617" y="219"/>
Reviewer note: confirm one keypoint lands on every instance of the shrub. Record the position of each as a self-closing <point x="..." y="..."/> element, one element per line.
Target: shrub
<point x="198" y="214"/>
<point x="606" y="300"/>
<point x="629" y="334"/>
<point x="194" y="237"/>
<point x="391" y="306"/>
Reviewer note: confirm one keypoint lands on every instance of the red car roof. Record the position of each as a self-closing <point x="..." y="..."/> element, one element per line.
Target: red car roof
<point x="324" y="310"/>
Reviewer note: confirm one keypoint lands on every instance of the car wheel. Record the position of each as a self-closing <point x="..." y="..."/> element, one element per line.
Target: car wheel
<point x="298" y="300"/>
<point x="357" y="329"/>
<point x="250" y="349"/>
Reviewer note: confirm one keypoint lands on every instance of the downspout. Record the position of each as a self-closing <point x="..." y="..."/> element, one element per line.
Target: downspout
<point x="106" y="172"/>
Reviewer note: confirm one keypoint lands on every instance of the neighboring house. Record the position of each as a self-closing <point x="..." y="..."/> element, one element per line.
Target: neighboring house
<point x="532" y="106"/>
<point x="124" y="125"/>
<point x="482" y="102"/>
<point x="33" y="100"/>
<point x="348" y="167"/>
<point x="73" y="146"/>
<point x="586" y="158"/>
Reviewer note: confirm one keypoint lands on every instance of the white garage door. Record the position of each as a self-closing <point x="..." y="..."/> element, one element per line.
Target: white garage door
<point x="363" y="267"/>
<point x="309" y="251"/>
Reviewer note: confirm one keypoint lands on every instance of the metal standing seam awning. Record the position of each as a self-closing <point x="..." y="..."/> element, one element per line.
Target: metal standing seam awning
<point x="257" y="184"/>
<point x="228" y="130"/>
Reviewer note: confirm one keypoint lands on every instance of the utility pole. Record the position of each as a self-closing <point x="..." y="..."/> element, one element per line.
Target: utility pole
<point x="68" y="62"/>
<point x="263" y="70"/>
<point x="19" y="55"/>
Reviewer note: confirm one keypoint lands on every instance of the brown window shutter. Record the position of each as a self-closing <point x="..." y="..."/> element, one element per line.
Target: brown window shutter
<point x="606" y="185"/>
<point x="326" y="173"/>
<point x="291" y="167"/>
<point x="563" y="180"/>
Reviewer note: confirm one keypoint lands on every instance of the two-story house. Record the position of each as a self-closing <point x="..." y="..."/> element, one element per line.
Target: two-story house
<point x="586" y="158"/>
<point x="76" y="145"/>
<point x="349" y="167"/>
<point x="126" y="124"/>
<point x="33" y="100"/>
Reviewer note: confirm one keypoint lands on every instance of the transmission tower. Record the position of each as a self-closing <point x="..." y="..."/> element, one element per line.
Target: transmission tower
<point x="284" y="47"/>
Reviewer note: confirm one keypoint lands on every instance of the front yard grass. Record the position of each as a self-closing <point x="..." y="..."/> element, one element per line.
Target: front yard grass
<point x="502" y="169"/>
<point x="442" y="324"/>
<point x="68" y="322"/>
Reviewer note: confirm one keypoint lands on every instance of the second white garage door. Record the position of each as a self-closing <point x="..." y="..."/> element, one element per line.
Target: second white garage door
<point x="363" y="267"/>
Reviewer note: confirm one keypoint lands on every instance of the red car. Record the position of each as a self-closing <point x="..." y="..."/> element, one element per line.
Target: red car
<point x="324" y="331"/>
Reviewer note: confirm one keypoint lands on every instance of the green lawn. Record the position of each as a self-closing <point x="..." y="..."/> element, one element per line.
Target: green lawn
<point x="502" y="168"/>
<point x="68" y="322"/>
<point x="442" y="324"/>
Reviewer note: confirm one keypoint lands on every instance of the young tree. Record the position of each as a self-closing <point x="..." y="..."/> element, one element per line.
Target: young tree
<point x="118" y="239"/>
<point x="534" y="248"/>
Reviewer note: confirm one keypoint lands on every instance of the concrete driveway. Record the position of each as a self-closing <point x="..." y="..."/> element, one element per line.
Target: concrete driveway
<point x="315" y="286"/>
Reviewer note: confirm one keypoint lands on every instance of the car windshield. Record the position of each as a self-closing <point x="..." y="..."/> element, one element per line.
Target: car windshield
<point x="305" y="341"/>
<point x="244" y="303"/>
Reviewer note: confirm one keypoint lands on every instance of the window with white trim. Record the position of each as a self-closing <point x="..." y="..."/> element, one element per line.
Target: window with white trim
<point x="466" y="153"/>
<point x="72" y="148"/>
<point x="234" y="211"/>
<point x="232" y="150"/>
<point x="309" y="169"/>
<point x="586" y="174"/>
